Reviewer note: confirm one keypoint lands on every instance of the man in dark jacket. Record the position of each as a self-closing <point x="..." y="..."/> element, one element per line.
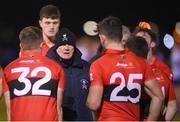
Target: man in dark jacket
<point x="76" y="76"/>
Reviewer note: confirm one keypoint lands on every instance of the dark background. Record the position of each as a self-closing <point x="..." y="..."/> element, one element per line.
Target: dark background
<point x="17" y="14"/>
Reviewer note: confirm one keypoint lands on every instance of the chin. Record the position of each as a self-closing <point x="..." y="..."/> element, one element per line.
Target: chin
<point x="51" y="35"/>
<point x="66" y="58"/>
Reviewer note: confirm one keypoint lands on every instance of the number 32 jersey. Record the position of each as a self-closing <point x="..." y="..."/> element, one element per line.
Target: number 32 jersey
<point x="122" y="75"/>
<point x="32" y="81"/>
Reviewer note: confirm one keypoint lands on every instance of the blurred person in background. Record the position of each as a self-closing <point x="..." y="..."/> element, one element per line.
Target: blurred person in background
<point x="126" y="33"/>
<point x="77" y="78"/>
<point x="117" y="78"/>
<point x="88" y="45"/>
<point x="175" y="63"/>
<point x="163" y="75"/>
<point x="49" y="21"/>
<point x="33" y="84"/>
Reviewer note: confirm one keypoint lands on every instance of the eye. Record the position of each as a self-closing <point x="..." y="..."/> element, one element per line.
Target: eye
<point x="47" y="23"/>
<point x="55" y="23"/>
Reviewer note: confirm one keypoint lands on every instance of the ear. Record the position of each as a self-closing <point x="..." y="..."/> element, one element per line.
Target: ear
<point x="102" y="38"/>
<point x="124" y="42"/>
<point x="40" y="23"/>
<point x="153" y="44"/>
<point x="20" y="45"/>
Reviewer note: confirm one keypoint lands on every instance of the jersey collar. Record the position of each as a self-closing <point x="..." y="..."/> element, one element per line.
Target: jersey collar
<point x="31" y="54"/>
<point x="117" y="52"/>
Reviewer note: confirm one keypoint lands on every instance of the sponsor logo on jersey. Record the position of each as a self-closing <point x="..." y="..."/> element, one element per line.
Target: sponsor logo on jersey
<point x="121" y="65"/>
<point x="26" y="61"/>
<point x="129" y="65"/>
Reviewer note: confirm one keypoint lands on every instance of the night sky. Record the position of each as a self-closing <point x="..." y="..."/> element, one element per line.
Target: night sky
<point x="20" y="13"/>
<point x="17" y="14"/>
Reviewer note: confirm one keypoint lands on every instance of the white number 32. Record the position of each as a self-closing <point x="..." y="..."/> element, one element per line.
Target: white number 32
<point x="36" y="86"/>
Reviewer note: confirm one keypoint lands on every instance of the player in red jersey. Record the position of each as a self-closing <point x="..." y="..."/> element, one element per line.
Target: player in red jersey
<point x="118" y="77"/>
<point x="49" y="22"/>
<point x="163" y="75"/>
<point x="1" y="72"/>
<point x="33" y="84"/>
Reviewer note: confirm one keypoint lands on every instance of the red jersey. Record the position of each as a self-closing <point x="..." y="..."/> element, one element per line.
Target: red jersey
<point x="32" y="81"/>
<point x="163" y="75"/>
<point x="44" y="49"/>
<point x="122" y="74"/>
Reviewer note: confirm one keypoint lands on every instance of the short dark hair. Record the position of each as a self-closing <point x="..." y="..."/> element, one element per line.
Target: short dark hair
<point x="138" y="45"/>
<point x="111" y="27"/>
<point x="50" y="11"/>
<point x="30" y="37"/>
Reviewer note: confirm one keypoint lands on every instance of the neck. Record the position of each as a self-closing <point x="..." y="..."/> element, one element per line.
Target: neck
<point x="150" y="57"/>
<point x="115" y="46"/>
<point x="33" y="50"/>
<point x="49" y="40"/>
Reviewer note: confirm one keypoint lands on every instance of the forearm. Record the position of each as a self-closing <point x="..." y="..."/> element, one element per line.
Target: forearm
<point x="60" y="114"/>
<point x="8" y="115"/>
<point x="59" y="104"/>
<point x="0" y="87"/>
<point x="171" y="110"/>
<point x="0" y="90"/>
<point x="8" y="109"/>
<point x="155" y="109"/>
<point x="152" y="88"/>
<point x="94" y="98"/>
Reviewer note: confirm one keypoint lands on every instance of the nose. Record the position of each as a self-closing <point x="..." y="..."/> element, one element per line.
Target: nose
<point x="67" y="46"/>
<point x="52" y="25"/>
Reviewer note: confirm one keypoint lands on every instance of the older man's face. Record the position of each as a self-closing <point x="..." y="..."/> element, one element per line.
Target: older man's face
<point x="65" y="51"/>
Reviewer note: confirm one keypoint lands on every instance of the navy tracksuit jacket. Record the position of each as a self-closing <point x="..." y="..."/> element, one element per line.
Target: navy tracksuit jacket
<point x="76" y="85"/>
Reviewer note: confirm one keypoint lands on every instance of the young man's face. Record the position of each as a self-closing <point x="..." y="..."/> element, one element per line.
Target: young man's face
<point x="49" y="26"/>
<point x="65" y="51"/>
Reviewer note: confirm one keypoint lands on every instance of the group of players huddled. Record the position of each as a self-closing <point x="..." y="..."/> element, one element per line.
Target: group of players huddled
<point x="49" y="81"/>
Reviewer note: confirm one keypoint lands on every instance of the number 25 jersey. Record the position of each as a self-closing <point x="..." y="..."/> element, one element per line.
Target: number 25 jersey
<point x="122" y="75"/>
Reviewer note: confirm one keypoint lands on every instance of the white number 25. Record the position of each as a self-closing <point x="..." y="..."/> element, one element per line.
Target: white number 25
<point x="130" y="85"/>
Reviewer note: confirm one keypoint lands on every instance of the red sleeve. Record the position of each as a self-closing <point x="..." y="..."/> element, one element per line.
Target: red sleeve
<point x="165" y="68"/>
<point x="171" y="92"/>
<point x="148" y="73"/>
<point x="61" y="79"/>
<point x="96" y="75"/>
<point x="167" y="72"/>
